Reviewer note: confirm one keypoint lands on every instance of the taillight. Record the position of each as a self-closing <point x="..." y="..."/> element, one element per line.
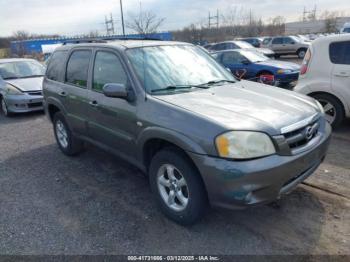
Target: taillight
<point x="305" y="64"/>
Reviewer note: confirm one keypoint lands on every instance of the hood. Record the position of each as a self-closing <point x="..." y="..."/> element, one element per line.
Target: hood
<point x="246" y="105"/>
<point x="280" y="64"/>
<point x="27" y="84"/>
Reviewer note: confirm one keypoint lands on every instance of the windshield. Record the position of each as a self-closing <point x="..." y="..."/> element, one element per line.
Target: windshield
<point x="296" y="39"/>
<point x="243" y="44"/>
<point x="253" y="56"/>
<point x="160" y="67"/>
<point x="22" y="69"/>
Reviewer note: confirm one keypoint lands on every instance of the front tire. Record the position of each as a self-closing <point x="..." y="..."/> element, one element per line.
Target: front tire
<point x="301" y="53"/>
<point x="4" y="108"/>
<point x="67" y="142"/>
<point x="177" y="187"/>
<point x="334" y="111"/>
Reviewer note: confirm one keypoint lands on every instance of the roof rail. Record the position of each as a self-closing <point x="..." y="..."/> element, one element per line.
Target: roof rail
<point x="84" y="40"/>
<point x="132" y="38"/>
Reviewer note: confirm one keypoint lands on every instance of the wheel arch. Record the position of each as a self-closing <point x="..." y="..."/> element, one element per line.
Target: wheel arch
<point x="152" y="139"/>
<point x="346" y="110"/>
<point x="53" y="106"/>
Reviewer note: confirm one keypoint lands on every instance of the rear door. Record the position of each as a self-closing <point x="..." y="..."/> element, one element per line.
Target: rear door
<point x="339" y="53"/>
<point x="112" y="121"/>
<point x="75" y="91"/>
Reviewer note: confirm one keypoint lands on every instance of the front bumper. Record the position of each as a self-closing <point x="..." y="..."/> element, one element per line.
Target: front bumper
<point x="24" y="103"/>
<point x="287" y="80"/>
<point x="239" y="184"/>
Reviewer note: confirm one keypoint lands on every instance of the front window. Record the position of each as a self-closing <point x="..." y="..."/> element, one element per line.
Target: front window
<point x="21" y="69"/>
<point x="159" y="67"/>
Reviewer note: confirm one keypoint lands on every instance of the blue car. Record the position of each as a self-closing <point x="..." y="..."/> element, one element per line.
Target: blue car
<point x="255" y="66"/>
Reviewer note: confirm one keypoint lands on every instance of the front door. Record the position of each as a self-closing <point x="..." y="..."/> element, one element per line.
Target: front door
<point x="112" y="121"/>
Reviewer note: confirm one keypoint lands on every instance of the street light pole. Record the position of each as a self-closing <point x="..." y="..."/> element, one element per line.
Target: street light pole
<point x="122" y="15"/>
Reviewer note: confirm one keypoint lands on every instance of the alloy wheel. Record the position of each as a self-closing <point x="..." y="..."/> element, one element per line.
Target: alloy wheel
<point x="172" y="187"/>
<point x="4" y="107"/>
<point x="62" y="135"/>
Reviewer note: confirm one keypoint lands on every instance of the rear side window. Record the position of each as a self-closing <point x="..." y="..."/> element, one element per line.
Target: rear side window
<point x="107" y="70"/>
<point x="56" y="65"/>
<point x="339" y="53"/>
<point x="78" y="68"/>
<point x="277" y="41"/>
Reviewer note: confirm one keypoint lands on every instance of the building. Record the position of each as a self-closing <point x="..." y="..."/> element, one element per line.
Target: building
<point x="35" y="46"/>
<point x="313" y="27"/>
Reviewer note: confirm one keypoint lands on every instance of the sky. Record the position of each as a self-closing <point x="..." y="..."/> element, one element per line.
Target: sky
<point x="73" y="17"/>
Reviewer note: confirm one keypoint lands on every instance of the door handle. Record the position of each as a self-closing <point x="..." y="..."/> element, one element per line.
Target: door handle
<point x="93" y="103"/>
<point x="342" y="74"/>
<point x="63" y="94"/>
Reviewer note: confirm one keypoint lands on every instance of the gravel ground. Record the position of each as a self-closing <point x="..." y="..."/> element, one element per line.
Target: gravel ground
<point x="98" y="204"/>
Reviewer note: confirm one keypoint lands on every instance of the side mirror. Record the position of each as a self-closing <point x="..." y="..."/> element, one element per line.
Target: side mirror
<point x="115" y="90"/>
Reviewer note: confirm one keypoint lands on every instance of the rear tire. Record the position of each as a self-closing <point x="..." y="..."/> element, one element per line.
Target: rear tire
<point x="67" y="142"/>
<point x="172" y="163"/>
<point x="334" y="110"/>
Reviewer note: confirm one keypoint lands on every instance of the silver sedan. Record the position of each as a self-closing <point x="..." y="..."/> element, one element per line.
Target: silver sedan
<point x="21" y="85"/>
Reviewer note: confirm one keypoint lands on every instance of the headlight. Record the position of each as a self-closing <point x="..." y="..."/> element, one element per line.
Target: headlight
<point x="320" y="107"/>
<point x="244" y="145"/>
<point x="284" y="71"/>
<point x="11" y="90"/>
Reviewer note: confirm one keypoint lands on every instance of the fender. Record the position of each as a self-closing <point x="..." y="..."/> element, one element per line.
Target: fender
<point x="56" y="102"/>
<point x="169" y="135"/>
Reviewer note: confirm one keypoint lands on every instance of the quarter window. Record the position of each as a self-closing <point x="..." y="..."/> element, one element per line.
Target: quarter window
<point x="107" y="69"/>
<point x="339" y="52"/>
<point x="78" y="68"/>
<point x="56" y="65"/>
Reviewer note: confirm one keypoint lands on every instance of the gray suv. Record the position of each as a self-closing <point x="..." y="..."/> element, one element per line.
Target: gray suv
<point x="286" y="45"/>
<point x="202" y="136"/>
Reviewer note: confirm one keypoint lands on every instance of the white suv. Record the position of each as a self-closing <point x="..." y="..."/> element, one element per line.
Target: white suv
<point x="325" y="75"/>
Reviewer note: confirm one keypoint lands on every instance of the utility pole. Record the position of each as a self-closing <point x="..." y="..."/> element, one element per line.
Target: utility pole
<point x="109" y="25"/>
<point x="216" y="17"/>
<point x="122" y="15"/>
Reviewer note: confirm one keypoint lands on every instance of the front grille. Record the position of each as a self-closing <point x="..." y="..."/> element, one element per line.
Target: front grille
<point x="35" y="93"/>
<point x="32" y="105"/>
<point x="301" y="136"/>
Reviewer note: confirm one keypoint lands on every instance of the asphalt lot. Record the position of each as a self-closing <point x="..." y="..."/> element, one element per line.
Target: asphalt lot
<point x="98" y="204"/>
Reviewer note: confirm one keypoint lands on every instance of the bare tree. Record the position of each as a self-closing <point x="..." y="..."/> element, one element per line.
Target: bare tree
<point x="145" y="23"/>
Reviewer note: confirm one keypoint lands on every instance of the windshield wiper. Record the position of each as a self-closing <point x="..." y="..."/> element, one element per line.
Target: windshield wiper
<point x="214" y="82"/>
<point x="176" y="87"/>
<point x="11" y="77"/>
<point x="32" y="76"/>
